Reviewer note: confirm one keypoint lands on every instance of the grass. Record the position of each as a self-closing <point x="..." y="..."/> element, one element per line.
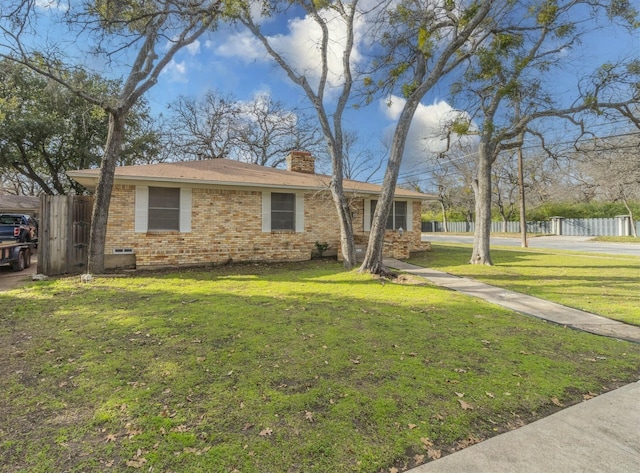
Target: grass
<point x="618" y="239"/>
<point x="291" y="368"/>
<point x="602" y="284"/>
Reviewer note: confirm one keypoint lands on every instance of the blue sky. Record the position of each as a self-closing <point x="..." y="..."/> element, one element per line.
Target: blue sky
<point x="231" y="61"/>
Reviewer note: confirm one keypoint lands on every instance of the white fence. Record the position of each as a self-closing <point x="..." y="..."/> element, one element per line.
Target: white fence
<point x="617" y="226"/>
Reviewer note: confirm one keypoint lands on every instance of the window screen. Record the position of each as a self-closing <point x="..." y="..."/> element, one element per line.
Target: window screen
<point x="164" y="208"/>
<point x="400" y="215"/>
<point x="397" y="217"/>
<point x="283" y="208"/>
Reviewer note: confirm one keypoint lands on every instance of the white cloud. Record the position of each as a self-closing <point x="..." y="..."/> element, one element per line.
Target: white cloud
<point x="51" y="5"/>
<point x="176" y="71"/>
<point x="300" y="46"/>
<point x="426" y="134"/>
<point x="242" y="45"/>
<point x="193" y="48"/>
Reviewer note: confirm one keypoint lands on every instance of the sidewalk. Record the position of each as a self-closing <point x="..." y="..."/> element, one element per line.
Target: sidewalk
<point x="596" y="436"/>
<point x="599" y="435"/>
<point x="525" y="304"/>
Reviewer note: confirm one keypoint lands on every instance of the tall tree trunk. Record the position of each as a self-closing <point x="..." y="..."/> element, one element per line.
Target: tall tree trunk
<point x="445" y="223"/>
<point x="102" y="196"/>
<point x="482" y="190"/>
<point x="347" y="241"/>
<point x="634" y="232"/>
<point x="523" y="211"/>
<point x="373" y="256"/>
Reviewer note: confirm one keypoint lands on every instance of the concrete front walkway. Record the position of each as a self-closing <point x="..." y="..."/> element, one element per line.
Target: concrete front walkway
<point x="525" y="304"/>
<point x="598" y="435"/>
<point x="601" y="435"/>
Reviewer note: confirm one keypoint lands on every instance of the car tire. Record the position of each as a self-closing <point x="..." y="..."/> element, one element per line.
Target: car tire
<point x="19" y="264"/>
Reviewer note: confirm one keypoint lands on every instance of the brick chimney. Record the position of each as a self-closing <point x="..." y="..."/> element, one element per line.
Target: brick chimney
<point x="301" y="161"/>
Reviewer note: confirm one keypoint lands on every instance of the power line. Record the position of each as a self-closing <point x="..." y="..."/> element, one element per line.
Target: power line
<point x="443" y="164"/>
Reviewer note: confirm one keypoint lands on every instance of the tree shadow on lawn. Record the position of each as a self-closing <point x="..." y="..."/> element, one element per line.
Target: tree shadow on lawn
<point x="504" y="261"/>
<point x="604" y="287"/>
<point x="225" y="362"/>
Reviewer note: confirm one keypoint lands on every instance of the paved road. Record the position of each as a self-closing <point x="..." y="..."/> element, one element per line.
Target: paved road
<point x="12" y="280"/>
<point x="552" y="242"/>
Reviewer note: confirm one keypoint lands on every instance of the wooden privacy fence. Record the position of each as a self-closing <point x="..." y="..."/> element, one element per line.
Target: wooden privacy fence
<point x="63" y="234"/>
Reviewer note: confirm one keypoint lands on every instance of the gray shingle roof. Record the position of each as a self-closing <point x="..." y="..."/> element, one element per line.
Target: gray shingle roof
<point x="22" y="203"/>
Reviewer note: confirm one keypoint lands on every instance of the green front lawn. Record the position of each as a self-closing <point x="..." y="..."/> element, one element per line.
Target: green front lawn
<point x="602" y="284"/>
<point x="290" y="368"/>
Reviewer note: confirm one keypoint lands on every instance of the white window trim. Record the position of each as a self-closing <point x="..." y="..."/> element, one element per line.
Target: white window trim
<point x="142" y="209"/>
<point x="368" y="215"/>
<point x="141" y="217"/>
<point x="299" y="213"/>
<point x="185" y="210"/>
<point x="266" y="212"/>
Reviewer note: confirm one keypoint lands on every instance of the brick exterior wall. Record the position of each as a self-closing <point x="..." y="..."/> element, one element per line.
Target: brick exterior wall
<point x="301" y="161"/>
<point x="226" y="226"/>
<point x="395" y="245"/>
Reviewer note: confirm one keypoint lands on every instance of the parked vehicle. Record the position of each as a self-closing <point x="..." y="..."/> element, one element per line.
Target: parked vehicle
<point x="18" y="227"/>
<point x="18" y="255"/>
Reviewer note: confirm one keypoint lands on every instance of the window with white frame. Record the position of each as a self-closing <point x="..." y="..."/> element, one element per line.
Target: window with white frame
<point x="282" y="211"/>
<point x="400" y="215"/>
<point x="162" y="209"/>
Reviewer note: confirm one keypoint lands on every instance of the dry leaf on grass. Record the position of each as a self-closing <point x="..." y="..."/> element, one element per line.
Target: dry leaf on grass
<point x="137" y="463"/>
<point x="465" y="405"/>
<point x="138" y="460"/>
<point x="433" y="453"/>
<point x="265" y="432"/>
<point x="426" y="442"/>
<point x="557" y="402"/>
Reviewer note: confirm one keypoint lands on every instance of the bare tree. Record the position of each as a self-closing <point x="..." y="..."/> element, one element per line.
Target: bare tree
<point x="610" y="164"/>
<point x="201" y="128"/>
<point x="453" y="173"/>
<point x="260" y="131"/>
<point x="15" y="183"/>
<point x="138" y="37"/>
<point x="505" y="188"/>
<point x="329" y="105"/>
<point x="360" y="163"/>
<point x="267" y="132"/>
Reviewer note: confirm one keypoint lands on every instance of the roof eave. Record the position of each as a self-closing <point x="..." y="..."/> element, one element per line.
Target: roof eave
<point x="90" y="182"/>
